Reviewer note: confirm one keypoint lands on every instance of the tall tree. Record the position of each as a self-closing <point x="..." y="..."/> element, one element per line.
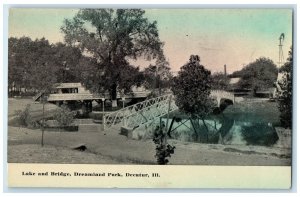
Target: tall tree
<point x="258" y="75"/>
<point x="192" y="89"/>
<point x="67" y="58"/>
<point x="285" y="91"/>
<point x="25" y="55"/>
<point x="112" y="38"/>
<point x="43" y="74"/>
<point x="158" y="76"/>
<point x="20" y="59"/>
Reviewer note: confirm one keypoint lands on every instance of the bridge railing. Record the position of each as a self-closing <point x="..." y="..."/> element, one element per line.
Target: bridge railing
<point x="140" y="113"/>
<point x="148" y="110"/>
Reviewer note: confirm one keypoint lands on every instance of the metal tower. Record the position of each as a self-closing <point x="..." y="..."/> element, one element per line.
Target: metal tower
<point x="281" y="58"/>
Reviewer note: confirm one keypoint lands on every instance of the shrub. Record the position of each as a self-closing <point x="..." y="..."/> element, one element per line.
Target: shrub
<point x="64" y="116"/>
<point x="24" y="117"/>
<point x="163" y="149"/>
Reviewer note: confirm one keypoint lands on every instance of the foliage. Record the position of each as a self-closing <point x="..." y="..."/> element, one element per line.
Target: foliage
<point x="66" y="59"/>
<point x="37" y="65"/>
<point x="220" y="81"/>
<point x="285" y="96"/>
<point x="158" y="76"/>
<point x="259" y="134"/>
<point x="163" y="149"/>
<point x="258" y="75"/>
<point x="64" y="116"/>
<point x="192" y="89"/>
<point x="24" y="117"/>
<point x="111" y="38"/>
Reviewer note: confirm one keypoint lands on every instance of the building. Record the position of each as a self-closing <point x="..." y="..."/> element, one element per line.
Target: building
<point x="76" y="95"/>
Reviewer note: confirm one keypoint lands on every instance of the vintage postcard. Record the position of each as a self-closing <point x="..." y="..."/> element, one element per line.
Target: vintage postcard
<point x="150" y="98"/>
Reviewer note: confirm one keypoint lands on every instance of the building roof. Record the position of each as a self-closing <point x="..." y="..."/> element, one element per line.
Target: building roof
<point x="234" y="80"/>
<point x="67" y="85"/>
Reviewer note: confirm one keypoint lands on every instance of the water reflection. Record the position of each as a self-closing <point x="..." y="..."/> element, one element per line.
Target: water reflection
<point x="226" y="128"/>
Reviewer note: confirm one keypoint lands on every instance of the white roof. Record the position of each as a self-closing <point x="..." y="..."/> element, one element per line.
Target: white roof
<point x="234" y="80"/>
<point x="67" y="85"/>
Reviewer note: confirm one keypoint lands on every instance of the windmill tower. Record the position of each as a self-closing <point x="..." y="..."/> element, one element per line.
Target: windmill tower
<point x="281" y="58"/>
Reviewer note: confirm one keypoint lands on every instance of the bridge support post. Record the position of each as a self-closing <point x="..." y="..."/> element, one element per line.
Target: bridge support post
<point x="124" y="122"/>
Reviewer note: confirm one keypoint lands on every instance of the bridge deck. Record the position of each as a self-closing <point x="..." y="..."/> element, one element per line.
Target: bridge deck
<point x="148" y="110"/>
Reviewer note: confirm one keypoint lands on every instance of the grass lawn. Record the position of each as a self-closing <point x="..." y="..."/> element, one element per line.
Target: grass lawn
<point x="35" y="109"/>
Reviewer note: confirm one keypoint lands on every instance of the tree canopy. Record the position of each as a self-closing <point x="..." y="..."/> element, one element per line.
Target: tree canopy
<point x="192" y="89"/>
<point x="36" y="64"/>
<point x="158" y="77"/>
<point x="258" y="75"/>
<point x="112" y="38"/>
<point x="220" y="81"/>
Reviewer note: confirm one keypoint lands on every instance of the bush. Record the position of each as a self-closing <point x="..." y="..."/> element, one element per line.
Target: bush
<point x="163" y="149"/>
<point x="24" y="117"/>
<point x="64" y="116"/>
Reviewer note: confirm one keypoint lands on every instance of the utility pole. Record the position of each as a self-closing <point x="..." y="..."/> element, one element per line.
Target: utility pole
<point x="281" y="58"/>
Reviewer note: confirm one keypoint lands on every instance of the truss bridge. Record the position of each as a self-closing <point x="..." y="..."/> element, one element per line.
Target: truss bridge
<point x="147" y="111"/>
<point x="141" y="113"/>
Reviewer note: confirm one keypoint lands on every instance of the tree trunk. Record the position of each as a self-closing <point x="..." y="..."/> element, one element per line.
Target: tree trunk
<point x="114" y="95"/>
<point x="201" y="135"/>
<point x="193" y="122"/>
<point x="204" y="133"/>
<point x="227" y="124"/>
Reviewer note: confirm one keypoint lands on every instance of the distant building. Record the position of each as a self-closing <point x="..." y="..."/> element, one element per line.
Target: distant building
<point x="234" y="80"/>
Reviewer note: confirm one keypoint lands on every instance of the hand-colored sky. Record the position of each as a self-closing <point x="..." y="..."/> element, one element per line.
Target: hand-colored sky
<point x="233" y="37"/>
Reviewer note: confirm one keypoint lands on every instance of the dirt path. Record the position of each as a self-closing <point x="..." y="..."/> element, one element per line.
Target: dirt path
<point x="116" y="148"/>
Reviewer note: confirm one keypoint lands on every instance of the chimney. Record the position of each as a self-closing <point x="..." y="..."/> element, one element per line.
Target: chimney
<point x="225" y="73"/>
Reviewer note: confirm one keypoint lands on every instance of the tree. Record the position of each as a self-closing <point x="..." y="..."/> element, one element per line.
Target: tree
<point x="192" y="89"/>
<point x="44" y="83"/>
<point x="39" y="65"/>
<point x="66" y="59"/>
<point x="20" y="59"/>
<point x="258" y="75"/>
<point x="158" y="76"/>
<point x="25" y="55"/>
<point x="220" y="81"/>
<point x="112" y="38"/>
<point x="285" y="92"/>
<point x="42" y="71"/>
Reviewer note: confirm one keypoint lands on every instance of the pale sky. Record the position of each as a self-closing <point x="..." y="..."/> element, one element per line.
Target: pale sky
<point x="234" y="37"/>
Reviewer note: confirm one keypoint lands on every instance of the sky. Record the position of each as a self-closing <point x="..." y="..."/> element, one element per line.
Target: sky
<point x="234" y="37"/>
